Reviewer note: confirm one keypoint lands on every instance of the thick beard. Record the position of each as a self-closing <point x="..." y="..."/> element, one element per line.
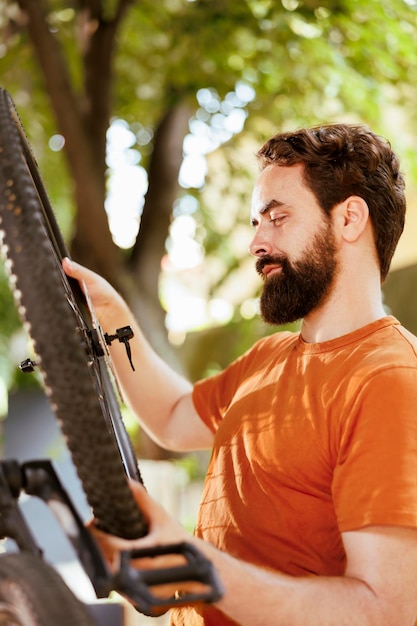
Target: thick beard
<point x="300" y="286"/>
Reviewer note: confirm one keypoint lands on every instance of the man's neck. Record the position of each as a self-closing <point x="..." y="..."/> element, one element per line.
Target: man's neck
<point x="342" y="313"/>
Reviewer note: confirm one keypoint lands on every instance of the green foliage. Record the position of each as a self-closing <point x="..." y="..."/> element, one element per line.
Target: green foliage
<point x="8" y="324"/>
<point x="10" y="334"/>
<point x="307" y="61"/>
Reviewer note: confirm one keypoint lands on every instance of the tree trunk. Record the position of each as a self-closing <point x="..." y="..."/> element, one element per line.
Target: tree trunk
<point x="150" y="245"/>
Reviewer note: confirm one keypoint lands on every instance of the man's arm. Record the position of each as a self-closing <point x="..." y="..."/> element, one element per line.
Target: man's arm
<point x="159" y="396"/>
<point x="378" y="589"/>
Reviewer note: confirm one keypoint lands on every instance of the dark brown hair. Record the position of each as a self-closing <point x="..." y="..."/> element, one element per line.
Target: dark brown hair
<point x="342" y="160"/>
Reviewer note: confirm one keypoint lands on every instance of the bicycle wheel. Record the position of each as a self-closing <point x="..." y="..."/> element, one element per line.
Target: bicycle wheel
<point x="33" y="594"/>
<point x="54" y="312"/>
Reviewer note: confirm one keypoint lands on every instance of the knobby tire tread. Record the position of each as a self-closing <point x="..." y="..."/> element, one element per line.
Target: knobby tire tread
<point x="40" y="290"/>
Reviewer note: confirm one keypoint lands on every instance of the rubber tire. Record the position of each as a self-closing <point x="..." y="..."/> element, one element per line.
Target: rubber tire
<point x="33" y="594"/>
<point x="46" y="306"/>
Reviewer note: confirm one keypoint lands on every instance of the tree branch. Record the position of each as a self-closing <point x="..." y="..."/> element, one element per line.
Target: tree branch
<point x="162" y="192"/>
<point x="98" y="54"/>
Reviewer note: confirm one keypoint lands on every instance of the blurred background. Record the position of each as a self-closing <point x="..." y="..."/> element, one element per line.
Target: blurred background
<point x="144" y="118"/>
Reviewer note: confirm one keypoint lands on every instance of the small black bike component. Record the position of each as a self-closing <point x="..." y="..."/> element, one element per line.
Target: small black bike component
<point x="124" y="335"/>
<point x="28" y="366"/>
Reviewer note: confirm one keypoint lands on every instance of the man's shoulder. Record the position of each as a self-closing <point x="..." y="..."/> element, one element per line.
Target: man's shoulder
<point x="392" y="353"/>
<point x="385" y="340"/>
<point x="399" y="345"/>
<point x="407" y="339"/>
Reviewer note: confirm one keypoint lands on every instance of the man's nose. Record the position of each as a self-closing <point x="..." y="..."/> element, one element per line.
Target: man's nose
<point x="260" y="246"/>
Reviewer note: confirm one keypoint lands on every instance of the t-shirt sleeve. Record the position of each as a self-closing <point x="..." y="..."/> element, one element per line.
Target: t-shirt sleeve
<point x="212" y="396"/>
<point x="203" y="395"/>
<point x="375" y="478"/>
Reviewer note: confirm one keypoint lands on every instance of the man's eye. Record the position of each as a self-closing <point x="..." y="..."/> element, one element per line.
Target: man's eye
<point x="277" y="220"/>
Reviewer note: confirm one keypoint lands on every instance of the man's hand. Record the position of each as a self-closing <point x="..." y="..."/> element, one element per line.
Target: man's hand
<point x="104" y="297"/>
<point x="163" y="531"/>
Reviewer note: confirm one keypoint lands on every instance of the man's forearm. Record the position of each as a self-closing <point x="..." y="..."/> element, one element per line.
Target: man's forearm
<point x="255" y="597"/>
<point x="153" y="390"/>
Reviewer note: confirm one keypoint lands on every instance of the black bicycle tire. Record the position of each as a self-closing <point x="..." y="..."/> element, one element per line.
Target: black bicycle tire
<point x="63" y="354"/>
<point x="35" y="594"/>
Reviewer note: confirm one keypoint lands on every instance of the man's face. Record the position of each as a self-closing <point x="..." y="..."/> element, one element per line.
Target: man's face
<point x="294" y="245"/>
<point x="302" y="284"/>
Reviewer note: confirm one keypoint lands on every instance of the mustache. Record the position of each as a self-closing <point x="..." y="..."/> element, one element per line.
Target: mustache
<point x="271" y="260"/>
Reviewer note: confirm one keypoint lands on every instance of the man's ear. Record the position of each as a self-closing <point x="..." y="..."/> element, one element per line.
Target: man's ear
<point x="352" y="217"/>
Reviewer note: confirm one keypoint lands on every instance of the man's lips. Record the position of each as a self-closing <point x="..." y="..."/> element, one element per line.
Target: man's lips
<point x="268" y="270"/>
<point x="268" y="265"/>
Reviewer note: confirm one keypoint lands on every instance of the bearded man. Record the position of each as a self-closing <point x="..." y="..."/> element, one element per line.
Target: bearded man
<point x="309" y="508"/>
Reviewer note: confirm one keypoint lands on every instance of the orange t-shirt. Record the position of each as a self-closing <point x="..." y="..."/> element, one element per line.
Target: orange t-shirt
<point x="310" y="440"/>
